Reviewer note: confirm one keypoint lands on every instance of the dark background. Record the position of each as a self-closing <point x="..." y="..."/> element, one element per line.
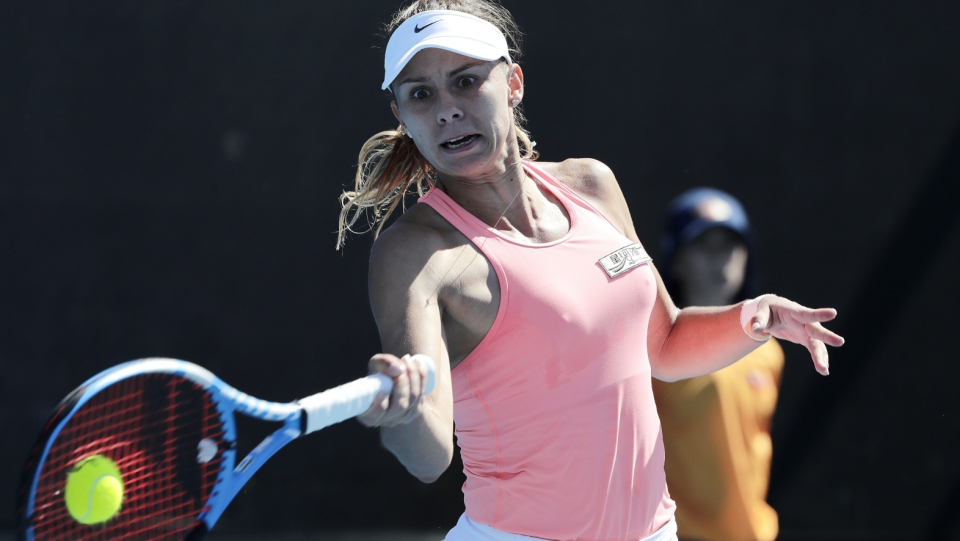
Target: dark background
<point x="169" y="174"/>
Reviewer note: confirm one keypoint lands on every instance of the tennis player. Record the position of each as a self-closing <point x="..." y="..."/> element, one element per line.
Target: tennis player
<point x="527" y="284"/>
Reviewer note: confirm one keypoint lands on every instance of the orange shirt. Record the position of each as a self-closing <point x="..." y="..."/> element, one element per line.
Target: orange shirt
<point x="716" y="431"/>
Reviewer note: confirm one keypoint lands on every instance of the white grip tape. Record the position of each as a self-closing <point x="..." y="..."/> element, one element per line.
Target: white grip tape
<point x="351" y="399"/>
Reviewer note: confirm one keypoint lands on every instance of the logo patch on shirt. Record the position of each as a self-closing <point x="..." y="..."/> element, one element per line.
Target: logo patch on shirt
<point x="624" y="259"/>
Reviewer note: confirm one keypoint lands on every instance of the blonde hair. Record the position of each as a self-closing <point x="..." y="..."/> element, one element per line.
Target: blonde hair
<point x="390" y="165"/>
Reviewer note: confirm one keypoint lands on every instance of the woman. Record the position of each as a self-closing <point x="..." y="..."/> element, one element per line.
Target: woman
<point x="528" y="286"/>
<point x="716" y="427"/>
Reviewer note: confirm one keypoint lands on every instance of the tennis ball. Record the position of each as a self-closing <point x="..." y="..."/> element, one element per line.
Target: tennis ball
<point x="94" y="490"/>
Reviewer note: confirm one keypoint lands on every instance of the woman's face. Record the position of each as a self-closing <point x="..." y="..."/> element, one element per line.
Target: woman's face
<point x="458" y="111"/>
<point x="709" y="271"/>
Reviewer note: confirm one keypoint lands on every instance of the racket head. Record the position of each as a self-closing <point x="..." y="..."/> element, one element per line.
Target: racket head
<point x="150" y="417"/>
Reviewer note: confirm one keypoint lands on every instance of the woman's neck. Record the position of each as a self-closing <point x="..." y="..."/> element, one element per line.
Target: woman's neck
<point x="492" y="196"/>
<point x="514" y="204"/>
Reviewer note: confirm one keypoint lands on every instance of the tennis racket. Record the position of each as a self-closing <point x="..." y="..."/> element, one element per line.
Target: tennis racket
<point x="169" y="427"/>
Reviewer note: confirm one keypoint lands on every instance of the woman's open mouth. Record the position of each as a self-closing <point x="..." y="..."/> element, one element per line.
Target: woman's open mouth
<point x="460" y="142"/>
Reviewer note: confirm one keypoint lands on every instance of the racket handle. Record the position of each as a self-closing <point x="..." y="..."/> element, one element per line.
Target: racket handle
<point x="351" y="399"/>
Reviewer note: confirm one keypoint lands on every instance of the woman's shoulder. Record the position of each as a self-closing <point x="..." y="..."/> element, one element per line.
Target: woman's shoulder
<point x="419" y="227"/>
<point x="584" y="175"/>
<point x="595" y="183"/>
<point x="413" y="254"/>
<point x="416" y="237"/>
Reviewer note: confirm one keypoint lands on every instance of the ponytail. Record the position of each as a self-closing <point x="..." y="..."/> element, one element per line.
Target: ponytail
<point x="388" y="165"/>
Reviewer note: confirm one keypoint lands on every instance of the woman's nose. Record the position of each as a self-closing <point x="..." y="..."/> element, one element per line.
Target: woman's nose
<point x="448" y="109"/>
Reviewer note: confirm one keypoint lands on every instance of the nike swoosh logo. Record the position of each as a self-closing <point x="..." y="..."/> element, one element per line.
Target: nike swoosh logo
<point x="417" y="29"/>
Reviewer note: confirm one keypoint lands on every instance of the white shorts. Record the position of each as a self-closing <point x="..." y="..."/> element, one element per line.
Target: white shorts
<point x="468" y="530"/>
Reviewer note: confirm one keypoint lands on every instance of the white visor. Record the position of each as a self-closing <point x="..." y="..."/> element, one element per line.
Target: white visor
<point x="442" y="29"/>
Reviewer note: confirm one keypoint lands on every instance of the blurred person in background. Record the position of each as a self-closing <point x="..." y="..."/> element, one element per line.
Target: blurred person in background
<point x="716" y="427"/>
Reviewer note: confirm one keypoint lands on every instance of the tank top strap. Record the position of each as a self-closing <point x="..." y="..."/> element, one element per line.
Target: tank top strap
<point x="552" y="183"/>
<point x="472" y="227"/>
<point x="564" y="192"/>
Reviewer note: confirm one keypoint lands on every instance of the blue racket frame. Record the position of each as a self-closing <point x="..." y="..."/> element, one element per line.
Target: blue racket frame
<point x="228" y="400"/>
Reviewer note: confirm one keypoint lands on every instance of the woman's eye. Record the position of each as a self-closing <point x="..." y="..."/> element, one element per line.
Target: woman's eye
<point x="420" y="94"/>
<point x="466" y="81"/>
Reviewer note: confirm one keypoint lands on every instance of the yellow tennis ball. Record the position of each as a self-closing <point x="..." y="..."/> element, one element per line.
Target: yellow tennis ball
<point x="94" y="491"/>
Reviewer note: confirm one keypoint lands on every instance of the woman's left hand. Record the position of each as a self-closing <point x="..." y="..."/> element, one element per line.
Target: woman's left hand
<point x="788" y="320"/>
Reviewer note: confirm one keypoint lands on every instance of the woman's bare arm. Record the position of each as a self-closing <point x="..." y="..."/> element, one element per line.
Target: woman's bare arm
<point x="403" y="293"/>
<point x="699" y="340"/>
<point x="693" y="341"/>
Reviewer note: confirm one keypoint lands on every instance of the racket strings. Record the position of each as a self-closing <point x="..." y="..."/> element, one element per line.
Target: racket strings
<point x="36" y="453"/>
<point x="150" y="426"/>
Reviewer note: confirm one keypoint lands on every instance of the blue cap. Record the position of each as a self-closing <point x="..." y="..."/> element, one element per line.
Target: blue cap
<point x="696" y="211"/>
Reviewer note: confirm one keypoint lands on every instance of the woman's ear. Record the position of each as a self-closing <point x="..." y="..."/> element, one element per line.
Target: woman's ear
<point x="515" y="83"/>
<point x="396" y="113"/>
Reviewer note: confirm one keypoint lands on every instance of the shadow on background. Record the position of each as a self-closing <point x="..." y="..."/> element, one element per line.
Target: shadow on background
<point x="907" y="256"/>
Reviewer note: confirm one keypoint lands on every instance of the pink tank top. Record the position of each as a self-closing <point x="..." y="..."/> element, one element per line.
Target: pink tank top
<point x="554" y="410"/>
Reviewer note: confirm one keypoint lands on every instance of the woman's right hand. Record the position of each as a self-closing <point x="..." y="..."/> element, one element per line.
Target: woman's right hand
<point x="405" y="402"/>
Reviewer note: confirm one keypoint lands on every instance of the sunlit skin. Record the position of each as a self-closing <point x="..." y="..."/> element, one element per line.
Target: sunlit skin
<point x="433" y="292"/>
<point x="710" y="269"/>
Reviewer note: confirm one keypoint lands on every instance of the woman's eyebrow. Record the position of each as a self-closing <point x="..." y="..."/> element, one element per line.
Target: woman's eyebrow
<point x="464" y="67"/>
<point x="406" y="80"/>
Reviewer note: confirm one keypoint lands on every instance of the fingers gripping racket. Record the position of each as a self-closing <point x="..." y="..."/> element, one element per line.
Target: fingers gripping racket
<point x="169" y="427"/>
